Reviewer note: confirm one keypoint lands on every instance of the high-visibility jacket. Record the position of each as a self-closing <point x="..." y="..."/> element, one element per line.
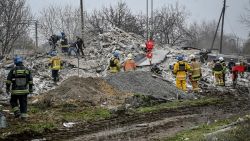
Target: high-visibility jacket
<point x="129" y="65"/>
<point x="20" y="79"/>
<point x="195" y="70"/>
<point x="114" y="65"/>
<point x="180" y="70"/>
<point x="150" y="45"/>
<point x="218" y="68"/>
<point x="55" y="63"/>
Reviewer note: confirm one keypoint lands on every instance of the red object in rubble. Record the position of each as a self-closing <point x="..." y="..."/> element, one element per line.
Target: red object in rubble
<point x="150" y="55"/>
<point x="150" y="45"/>
<point x="238" y="68"/>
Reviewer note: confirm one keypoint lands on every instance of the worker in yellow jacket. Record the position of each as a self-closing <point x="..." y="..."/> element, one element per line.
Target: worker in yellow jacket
<point x="114" y="64"/>
<point x="55" y="65"/>
<point x="195" y="73"/>
<point x="180" y="70"/>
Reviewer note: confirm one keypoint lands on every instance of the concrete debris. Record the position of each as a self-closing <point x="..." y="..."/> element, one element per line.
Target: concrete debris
<point x="143" y="83"/>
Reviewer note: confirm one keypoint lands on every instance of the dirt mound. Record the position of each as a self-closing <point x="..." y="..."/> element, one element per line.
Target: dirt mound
<point x="84" y="92"/>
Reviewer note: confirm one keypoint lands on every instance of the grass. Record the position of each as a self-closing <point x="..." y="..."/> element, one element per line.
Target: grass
<point x="41" y="120"/>
<point x="89" y="114"/>
<point x="240" y="133"/>
<point x="179" y="104"/>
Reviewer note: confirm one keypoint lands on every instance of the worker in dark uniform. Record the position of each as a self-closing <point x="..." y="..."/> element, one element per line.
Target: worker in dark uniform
<point x="80" y="45"/>
<point x="20" y="81"/>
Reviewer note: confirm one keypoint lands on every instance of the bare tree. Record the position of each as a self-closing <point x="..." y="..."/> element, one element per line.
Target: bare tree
<point x="56" y="19"/>
<point x="169" y="24"/>
<point x="14" y="16"/>
<point x="119" y="16"/>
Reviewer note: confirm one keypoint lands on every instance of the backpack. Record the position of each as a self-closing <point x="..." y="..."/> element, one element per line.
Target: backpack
<point x="20" y="76"/>
<point x="218" y="67"/>
<point x="112" y="62"/>
<point x="182" y="67"/>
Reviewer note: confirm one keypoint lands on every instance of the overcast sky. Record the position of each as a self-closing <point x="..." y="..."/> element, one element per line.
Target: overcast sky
<point x="199" y="10"/>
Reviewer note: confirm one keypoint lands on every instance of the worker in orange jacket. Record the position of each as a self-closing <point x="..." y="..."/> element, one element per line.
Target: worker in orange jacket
<point x="180" y="70"/>
<point x="129" y="64"/>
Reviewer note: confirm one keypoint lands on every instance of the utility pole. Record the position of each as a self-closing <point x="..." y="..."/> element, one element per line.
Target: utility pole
<point x="222" y="16"/>
<point x="82" y="19"/>
<point x="147" y="18"/>
<point x="222" y="25"/>
<point x="152" y="18"/>
<point x="36" y="23"/>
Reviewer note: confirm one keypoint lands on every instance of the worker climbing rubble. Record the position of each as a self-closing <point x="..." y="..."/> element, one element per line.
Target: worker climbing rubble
<point x="80" y="45"/>
<point x="223" y="63"/>
<point x="64" y="43"/>
<point x="180" y="70"/>
<point x="149" y="49"/>
<point x="129" y="64"/>
<point x="218" y="71"/>
<point x="19" y="83"/>
<point x="114" y="63"/>
<point x="55" y="65"/>
<point x="53" y="41"/>
<point x="195" y="73"/>
<point x="236" y="70"/>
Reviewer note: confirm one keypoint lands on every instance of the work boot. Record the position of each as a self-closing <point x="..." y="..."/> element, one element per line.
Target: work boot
<point x="24" y="116"/>
<point x="17" y="114"/>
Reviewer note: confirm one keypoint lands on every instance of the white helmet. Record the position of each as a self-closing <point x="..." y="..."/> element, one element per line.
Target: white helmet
<point x="130" y="56"/>
<point x="192" y="56"/>
<point x="221" y="59"/>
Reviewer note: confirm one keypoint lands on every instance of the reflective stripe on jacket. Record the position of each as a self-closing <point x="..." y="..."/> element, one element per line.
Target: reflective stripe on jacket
<point x="195" y="70"/>
<point x="181" y="74"/>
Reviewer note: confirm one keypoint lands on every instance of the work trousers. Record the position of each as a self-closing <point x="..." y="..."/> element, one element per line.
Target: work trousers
<point x="195" y="85"/>
<point x="22" y="100"/>
<point x="181" y="84"/>
<point x="55" y="75"/>
<point x="219" y="79"/>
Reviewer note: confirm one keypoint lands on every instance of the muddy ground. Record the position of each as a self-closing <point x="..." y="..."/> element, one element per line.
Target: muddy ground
<point x="151" y="124"/>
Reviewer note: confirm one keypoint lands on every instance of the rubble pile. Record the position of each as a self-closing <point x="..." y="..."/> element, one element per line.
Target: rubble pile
<point x="84" y="92"/>
<point x="144" y="83"/>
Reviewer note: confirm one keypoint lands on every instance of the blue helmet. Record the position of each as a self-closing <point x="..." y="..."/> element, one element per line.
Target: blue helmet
<point x="53" y="53"/>
<point x="62" y="33"/>
<point x="180" y="58"/>
<point x="18" y="60"/>
<point x="116" y="54"/>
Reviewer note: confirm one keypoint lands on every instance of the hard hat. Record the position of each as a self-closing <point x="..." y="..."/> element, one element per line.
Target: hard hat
<point x="62" y="33"/>
<point x="180" y="58"/>
<point x="53" y="53"/>
<point x="116" y="54"/>
<point x="192" y="56"/>
<point x="18" y="59"/>
<point x="221" y="59"/>
<point x="130" y="56"/>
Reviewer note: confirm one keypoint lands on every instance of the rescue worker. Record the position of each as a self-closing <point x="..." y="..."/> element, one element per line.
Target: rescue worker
<point x="80" y="45"/>
<point x="230" y="65"/>
<point x="180" y="70"/>
<point x="114" y="64"/>
<point x="55" y="65"/>
<point x="64" y="43"/>
<point x="218" y="73"/>
<point x="195" y="73"/>
<point x="21" y="82"/>
<point x="149" y="49"/>
<point x="53" y="41"/>
<point x="129" y="64"/>
<point x="221" y="59"/>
